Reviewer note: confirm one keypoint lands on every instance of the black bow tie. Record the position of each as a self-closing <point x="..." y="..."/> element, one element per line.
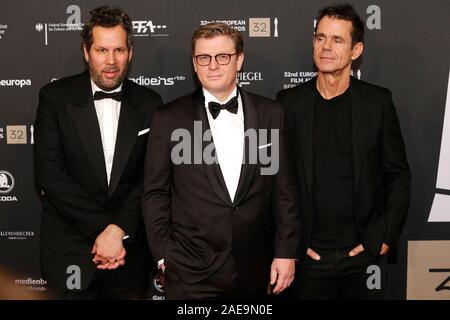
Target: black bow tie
<point x="231" y="106"/>
<point x="99" y="95"/>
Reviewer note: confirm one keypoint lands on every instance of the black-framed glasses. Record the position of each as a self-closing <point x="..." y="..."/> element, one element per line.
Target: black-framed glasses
<point x="221" y="58"/>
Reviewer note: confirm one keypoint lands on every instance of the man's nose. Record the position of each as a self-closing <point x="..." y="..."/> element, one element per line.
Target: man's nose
<point x="327" y="44"/>
<point x="111" y="58"/>
<point x="213" y="64"/>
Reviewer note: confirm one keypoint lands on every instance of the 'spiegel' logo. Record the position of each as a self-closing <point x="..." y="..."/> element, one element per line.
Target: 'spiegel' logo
<point x="247" y="77"/>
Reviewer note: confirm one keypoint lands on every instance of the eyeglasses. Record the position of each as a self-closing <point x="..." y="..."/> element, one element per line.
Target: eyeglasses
<point x="221" y="58"/>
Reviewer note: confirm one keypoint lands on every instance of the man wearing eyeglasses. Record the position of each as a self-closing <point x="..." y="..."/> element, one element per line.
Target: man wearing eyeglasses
<point x="220" y="229"/>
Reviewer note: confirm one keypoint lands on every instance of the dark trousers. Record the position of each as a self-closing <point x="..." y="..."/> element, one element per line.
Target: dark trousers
<point x="223" y="285"/>
<point x="104" y="286"/>
<point x="338" y="276"/>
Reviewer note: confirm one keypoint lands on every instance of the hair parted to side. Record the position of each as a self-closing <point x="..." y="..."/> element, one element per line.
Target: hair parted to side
<point x="215" y="29"/>
<point x="346" y="12"/>
<point x="107" y="17"/>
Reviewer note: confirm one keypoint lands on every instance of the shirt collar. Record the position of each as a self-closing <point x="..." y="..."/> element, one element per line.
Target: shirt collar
<point x="210" y="97"/>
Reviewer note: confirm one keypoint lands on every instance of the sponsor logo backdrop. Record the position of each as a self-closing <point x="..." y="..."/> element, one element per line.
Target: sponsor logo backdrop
<point x="406" y="50"/>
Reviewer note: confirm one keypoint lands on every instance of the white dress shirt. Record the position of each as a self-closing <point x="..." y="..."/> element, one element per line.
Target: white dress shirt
<point x="228" y="135"/>
<point x="108" y="111"/>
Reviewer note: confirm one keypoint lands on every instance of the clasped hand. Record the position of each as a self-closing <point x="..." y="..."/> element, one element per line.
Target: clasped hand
<point x="108" y="249"/>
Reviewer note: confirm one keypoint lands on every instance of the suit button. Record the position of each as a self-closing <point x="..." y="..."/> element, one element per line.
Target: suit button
<point x="235" y="208"/>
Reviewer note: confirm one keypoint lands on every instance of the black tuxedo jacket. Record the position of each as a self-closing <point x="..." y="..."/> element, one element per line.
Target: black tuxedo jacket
<point x="381" y="176"/>
<point x="70" y="170"/>
<point x="190" y="219"/>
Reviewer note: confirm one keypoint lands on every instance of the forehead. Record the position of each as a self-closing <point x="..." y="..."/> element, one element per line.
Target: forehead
<point x="218" y="44"/>
<point x="112" y="36"/>
<point x="333" y="26"/>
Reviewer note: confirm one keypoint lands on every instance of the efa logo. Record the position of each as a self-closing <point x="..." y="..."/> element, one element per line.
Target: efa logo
<point x="144" y="28"/>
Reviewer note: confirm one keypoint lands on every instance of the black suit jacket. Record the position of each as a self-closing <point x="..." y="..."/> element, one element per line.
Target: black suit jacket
<point x="190" y="219"/>
<point x="70" y="169"/>
<point x="381" y="176"/>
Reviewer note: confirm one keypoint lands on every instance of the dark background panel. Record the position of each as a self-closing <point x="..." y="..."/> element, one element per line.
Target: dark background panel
<point x="409" y="54"/>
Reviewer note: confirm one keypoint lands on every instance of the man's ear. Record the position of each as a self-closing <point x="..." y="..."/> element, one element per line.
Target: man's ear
<point x="130" y="55"/>
<point x="86" y="53"/>
<point x="240" y="61"/>
<point x="357" y="50"/>
<point x="194" y="64"/>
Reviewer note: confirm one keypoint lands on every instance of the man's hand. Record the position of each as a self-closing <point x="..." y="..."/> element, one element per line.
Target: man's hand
<point x="384" y="249"/>
<point x="108" y="248"/>
<point x="312" y="254"/>
<point x="120" y="261"/>
<point x="356" y="250"/>
<point x="163" y="268"/>
<point x="282" y="274"/>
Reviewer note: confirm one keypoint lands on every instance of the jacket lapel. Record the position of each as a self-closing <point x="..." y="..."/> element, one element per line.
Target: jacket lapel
<point x="212" y="171"/>
<point x="361" y="114"/>
<point x="83" y="114"/>
<point x="306" y="130"/>
<point x="130" y="119"/>
<point x="247" y="169"/>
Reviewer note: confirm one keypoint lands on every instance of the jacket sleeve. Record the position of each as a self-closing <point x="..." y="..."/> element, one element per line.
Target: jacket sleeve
<point x="157" y="187"/>
<point x="397" y="178"/>
<point x="129" y="215"/>
<point x="58" y="187"/>
<point x="284" y="201"/>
